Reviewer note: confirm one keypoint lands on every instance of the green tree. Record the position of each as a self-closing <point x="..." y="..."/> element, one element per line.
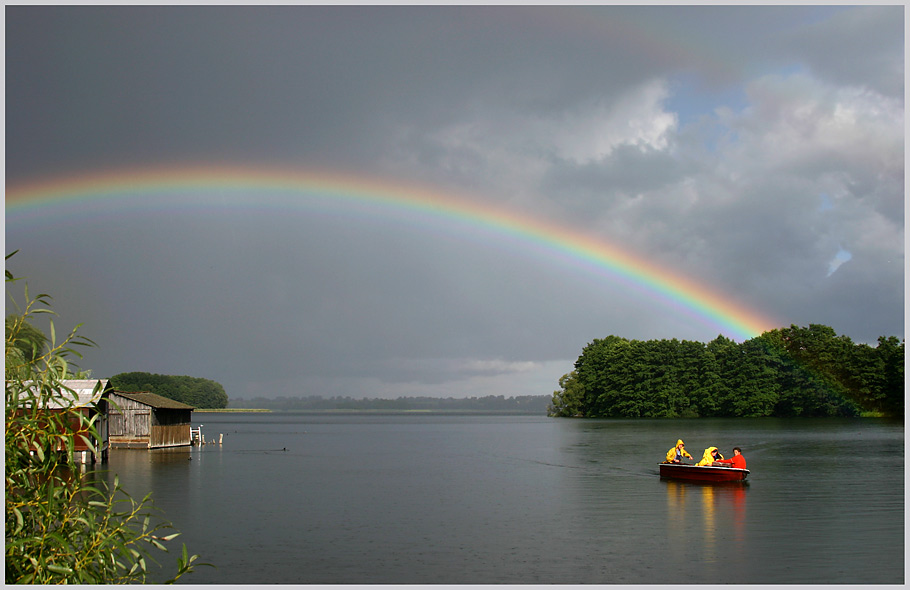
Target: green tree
<point x="645" y="383"/>
<point x="725" y="353"/>
<point x="569" y="399"/>
<point x="63" y="526"/>
<point x="754" y="382"/>
<point x="600" y="370"/>
<point x="700" y="379"/>
<point x="818" y="371"/>
<point x="891" y="351"/>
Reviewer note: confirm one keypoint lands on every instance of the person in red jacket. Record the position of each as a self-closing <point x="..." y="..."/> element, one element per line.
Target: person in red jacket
<point x="737" y="460"/>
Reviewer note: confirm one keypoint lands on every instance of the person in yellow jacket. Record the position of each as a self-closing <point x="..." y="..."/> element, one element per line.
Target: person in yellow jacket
<point x="711" y="455"/>
<point x="676" y="454"/>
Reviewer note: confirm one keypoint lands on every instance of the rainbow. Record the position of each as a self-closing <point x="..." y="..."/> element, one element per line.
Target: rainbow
<point x="154" y="188"/>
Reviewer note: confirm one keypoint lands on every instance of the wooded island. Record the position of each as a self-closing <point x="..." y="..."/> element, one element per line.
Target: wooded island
<point x="795" y="371"/>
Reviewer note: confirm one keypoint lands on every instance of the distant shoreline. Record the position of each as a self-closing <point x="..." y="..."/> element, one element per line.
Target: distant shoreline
<point x="233" y="410"/>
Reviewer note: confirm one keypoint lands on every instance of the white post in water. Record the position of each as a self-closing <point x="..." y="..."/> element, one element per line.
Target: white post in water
<point x="220" y="438"/>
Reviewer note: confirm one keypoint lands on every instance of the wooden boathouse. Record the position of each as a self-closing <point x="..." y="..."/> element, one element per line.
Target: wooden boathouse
<point x="86" y="398"/>
<point x="145" y="420"/>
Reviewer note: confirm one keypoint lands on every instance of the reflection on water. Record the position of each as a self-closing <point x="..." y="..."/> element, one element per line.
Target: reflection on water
<point x="164" y="472"/>
<point x="712" y="512"/>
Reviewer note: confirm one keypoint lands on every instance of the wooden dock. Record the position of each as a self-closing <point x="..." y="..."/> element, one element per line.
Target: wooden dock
<point x="198" y="439"/>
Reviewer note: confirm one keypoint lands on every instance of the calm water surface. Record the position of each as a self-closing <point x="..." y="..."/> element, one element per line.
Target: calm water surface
<point x="432" y="499"/>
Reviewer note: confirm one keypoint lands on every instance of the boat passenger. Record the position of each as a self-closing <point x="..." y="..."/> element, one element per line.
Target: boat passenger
<point x="676" y="454"/>
<point x="737" y="460"/>
<point x="711" y="455"/>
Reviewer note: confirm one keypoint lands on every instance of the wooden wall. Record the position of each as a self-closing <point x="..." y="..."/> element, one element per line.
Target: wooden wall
<point x="129" y="422"/>
<point x="170" y="436"/>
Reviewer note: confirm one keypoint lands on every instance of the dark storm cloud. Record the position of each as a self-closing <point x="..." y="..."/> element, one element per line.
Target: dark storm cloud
<point x="153" y="82"/>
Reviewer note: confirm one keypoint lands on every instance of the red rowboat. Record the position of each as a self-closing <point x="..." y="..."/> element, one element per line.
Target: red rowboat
<point x="695" y="473"/>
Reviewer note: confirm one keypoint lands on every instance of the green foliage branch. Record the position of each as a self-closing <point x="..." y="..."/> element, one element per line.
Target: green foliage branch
<point x="64" y="526"/>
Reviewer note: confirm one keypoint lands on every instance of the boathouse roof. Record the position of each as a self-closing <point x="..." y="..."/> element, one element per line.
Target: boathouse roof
<point x="154" y="400"/>
<point x="84" y="390"/>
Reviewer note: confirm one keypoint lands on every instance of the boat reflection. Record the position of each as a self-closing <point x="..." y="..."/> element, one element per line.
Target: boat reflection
<point x="715" y="512"/>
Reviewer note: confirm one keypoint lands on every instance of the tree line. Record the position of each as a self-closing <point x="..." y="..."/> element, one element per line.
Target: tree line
<point x="796" y="371"/>
<point x="522" y="404"/>
<point x="194" y="391"/>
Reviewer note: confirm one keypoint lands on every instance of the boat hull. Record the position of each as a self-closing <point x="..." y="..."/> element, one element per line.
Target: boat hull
<point x="695" y="473"/>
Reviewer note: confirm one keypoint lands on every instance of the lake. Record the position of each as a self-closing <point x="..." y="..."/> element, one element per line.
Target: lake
<point x="414" y="498"/>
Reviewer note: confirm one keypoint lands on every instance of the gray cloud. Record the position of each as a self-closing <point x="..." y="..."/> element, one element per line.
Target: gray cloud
<point x="840" y="49"/>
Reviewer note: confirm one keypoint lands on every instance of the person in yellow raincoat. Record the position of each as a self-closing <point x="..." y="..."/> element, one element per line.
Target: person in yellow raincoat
<point x="711" y="455"/>
<point x="676" y="454"/>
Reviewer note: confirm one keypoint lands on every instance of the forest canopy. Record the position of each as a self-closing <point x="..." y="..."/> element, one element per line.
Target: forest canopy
<point x="795" y="371"/>
<point x="194" y="391"/>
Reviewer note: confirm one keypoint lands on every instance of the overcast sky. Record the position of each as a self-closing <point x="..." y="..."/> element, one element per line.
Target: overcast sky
<point x="758" y="151"/>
